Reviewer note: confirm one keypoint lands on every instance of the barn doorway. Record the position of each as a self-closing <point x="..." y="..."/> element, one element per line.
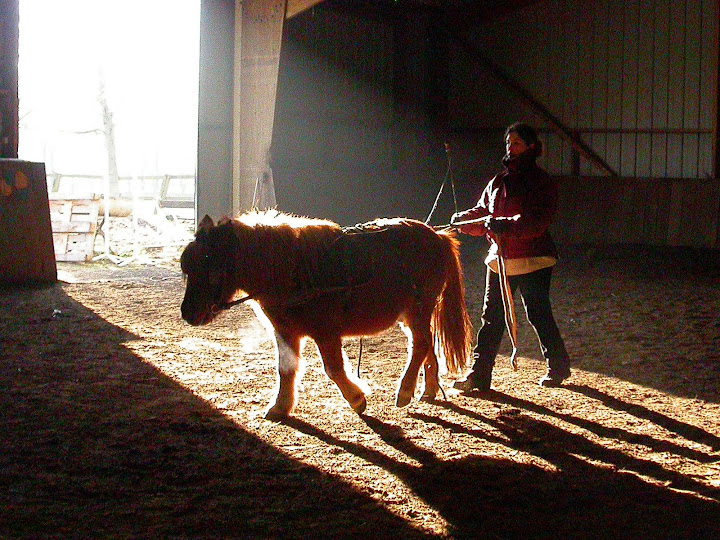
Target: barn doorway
<point x="108" y="102"/>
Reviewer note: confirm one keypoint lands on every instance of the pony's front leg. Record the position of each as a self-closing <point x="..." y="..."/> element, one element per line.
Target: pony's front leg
<point x="335" y="361"/>
<point x="288" y="365"/>
<point x="418" y="347"/>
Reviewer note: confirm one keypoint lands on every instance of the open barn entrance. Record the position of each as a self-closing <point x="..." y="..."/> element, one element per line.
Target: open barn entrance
<point x="108" y="102"/>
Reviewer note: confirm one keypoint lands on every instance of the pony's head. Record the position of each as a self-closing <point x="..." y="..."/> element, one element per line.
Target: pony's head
<point x="207" y="265"/>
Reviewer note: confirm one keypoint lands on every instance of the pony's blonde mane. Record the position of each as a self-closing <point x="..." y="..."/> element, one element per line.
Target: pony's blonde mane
<point x="274" y="218"/>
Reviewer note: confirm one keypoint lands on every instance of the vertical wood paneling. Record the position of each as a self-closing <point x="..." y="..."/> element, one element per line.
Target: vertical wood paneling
<point x="676" y="88"/>
<point x="584" y="92"/>
<point x="707" y="84"/>
<point x="638" y="80"/>
<point x="643" y="94"/>
<point x="691" y="113"/>
<point x="629" y="89"/>
<point x="659" y="96"/>
<point x="598" y="114"/>
<point x="614" y="84"/>
<point x="631" y="74"/>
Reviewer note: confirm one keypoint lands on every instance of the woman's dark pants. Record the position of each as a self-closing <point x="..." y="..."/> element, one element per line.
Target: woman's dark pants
<point x="535" y="290"/>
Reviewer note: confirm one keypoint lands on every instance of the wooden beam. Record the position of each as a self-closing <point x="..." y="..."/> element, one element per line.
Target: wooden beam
<point x="716" y="134"/>
<point x="9" y="39"/>
<point x="295" y="7"/>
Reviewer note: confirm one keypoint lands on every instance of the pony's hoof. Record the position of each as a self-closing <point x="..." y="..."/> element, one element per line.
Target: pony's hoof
<point x="430" y="394"/>
<point x="275" y="414"/>
<point x="403" y="399"/>
<point x="360" y="405"/>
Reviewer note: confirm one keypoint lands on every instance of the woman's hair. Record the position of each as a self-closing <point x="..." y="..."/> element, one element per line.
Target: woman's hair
<point x="527" y="134"/>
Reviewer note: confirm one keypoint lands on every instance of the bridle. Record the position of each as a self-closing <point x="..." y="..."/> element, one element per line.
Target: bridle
<point x="227" y="305"/>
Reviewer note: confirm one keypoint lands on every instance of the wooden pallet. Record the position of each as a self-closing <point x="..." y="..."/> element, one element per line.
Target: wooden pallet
<point x="74" y="224"/>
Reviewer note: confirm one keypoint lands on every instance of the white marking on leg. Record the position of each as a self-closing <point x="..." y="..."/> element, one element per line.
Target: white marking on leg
<point x="408" y="333"/>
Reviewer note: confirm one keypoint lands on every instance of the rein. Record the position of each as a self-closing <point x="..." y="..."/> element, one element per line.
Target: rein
<point x="508" y="305"/>
<point x="457" y="224"/>
<point x="448" y="174"/>
<point x="295" y="301"/>
<point x="233" y="303"/>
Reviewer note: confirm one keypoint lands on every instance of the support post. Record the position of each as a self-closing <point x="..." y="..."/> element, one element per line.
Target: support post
<point x="213" y="190"/>
<point x="716" y="128"/>
<point x="258" y="37"/>
<point x="9" y="39"/>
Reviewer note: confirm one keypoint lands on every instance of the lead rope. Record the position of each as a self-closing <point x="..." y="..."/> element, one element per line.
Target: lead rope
<point x="448" y="174"/>
<point x="505" y="290"/>
<point x="359" y="356"/>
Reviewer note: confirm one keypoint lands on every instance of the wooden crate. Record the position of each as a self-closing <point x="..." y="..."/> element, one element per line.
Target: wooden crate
<point x="74" y="224"/>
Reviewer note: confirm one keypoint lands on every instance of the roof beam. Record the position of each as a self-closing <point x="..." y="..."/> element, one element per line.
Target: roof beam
<point x="295" y="7"/>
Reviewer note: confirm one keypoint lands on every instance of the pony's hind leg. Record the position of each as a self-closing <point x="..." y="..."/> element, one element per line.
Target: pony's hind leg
<point x="432" y="376"/>
<point x="335" y="363"/>
<point x="419" y="345"/>
<point x="288" y="357"/>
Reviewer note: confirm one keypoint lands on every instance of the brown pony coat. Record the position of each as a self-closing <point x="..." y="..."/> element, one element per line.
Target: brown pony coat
<point x="312" y="278"/>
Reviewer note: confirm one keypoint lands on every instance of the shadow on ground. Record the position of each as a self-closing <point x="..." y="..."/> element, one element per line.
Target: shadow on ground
<point x="97" y="443"/>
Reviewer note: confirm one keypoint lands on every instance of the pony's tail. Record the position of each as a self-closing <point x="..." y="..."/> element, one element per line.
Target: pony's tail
<point x="450" y="321"/>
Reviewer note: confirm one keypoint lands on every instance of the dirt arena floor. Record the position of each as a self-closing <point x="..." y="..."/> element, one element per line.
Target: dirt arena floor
<point x="120" y="420"/>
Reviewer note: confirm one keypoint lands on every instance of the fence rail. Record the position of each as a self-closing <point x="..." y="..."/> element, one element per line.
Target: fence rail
<point x="170" y="190"/>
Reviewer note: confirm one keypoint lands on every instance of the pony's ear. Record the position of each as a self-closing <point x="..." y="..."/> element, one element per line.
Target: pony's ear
<point x="205" y="225"/>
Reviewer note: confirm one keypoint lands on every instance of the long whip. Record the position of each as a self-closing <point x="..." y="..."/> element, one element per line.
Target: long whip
<point x="508" y="305"/>
<point x="448" y="175"/>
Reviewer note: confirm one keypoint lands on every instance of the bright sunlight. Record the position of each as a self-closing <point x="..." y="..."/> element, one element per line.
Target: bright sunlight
<point x="143" y="53"/>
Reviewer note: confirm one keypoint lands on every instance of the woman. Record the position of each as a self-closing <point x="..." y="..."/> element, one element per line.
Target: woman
<point x="519" y="204"/>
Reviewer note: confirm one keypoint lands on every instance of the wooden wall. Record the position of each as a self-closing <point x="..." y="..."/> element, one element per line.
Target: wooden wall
<point x="674" y="212"/>
<point x="637" y="80"/>
<point x="365" y="102"/>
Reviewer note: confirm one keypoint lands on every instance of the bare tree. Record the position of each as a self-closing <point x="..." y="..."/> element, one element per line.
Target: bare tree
<point x="109" y="132"/>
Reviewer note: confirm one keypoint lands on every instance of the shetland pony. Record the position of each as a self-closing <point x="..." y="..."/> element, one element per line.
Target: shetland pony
<point x="312" y="278"/>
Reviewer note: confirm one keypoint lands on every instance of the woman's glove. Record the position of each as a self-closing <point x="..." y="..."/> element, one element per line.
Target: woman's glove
<point x="457" y="216"/>
<point x="501" y="225"/>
